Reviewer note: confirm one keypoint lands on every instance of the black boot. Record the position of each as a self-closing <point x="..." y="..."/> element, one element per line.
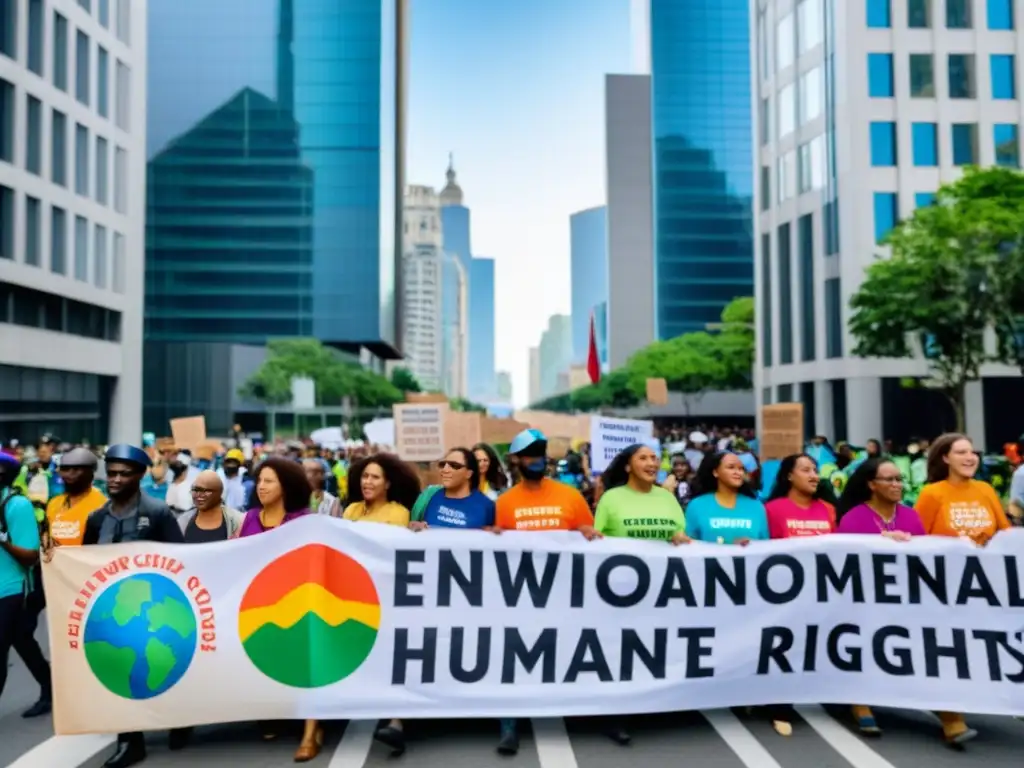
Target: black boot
<point x="42" y="707"/>
<point x="130" y="750"/>
<point x="392" y="737"/>
<point x="508" y="744"/>
<point x="178" y="738"/>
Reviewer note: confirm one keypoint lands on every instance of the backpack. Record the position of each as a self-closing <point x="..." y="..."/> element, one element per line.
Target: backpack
<point x="420" y="507"/>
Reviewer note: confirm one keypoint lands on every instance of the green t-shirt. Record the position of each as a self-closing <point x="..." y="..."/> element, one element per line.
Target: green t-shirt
<point x="625" y="513"/>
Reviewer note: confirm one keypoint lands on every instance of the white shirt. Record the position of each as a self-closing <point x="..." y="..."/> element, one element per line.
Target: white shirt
<point x="234" y="489"/>
<point x="179" y="495"/>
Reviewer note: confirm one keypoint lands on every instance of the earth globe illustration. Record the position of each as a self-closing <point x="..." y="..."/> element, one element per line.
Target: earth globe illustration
<point x="140" y="636"/>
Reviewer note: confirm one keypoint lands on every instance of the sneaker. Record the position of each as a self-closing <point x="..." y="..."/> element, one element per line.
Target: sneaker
<point x="866" y="723"/>
<point x="508" y="744"/>
<point x="391" y="737"/>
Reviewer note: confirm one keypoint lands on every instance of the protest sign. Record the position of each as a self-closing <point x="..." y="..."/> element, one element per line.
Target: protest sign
<point x="500" y="431"/>
<point x="657" y="392"/>
<point x="419" y="431"/>
<point x="188" y="432"/>
<point x="461" y="429"/>
<point x="328" y="619"/>
<point x="782" y="430"/>
<point x="556" y="424"/>
<point x="608" y="436"/>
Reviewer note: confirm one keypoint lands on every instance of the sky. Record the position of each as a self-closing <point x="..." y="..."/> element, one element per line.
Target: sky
<point x="516" y="91"/>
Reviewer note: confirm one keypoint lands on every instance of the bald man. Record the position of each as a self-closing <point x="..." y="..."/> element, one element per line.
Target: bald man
<point x="209" y="520"/>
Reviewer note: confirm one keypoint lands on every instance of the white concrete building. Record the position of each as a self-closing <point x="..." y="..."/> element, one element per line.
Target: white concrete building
<point x="72" y="212"/>
<point x="862" y="110"/>
<point x="422" y="287"/>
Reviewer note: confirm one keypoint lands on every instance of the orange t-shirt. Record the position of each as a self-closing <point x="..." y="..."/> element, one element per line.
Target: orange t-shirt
<point x="969" y="509"/>
<point x="552" y="506"/>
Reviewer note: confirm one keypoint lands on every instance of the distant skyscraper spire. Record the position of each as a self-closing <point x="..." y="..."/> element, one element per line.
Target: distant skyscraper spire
<point x="452" y="192"/>
<point x="285" y="56"/>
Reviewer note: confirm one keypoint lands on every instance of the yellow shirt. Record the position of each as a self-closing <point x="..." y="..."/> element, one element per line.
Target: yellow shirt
<point x="391" y="513"/>
<point x="66" y="517"/>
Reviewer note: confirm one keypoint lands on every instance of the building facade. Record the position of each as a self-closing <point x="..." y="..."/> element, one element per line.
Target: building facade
<point x="533" y="384"/>
<point x="555" y="355"/>
<point x="455" y="229"/>
<point x="422" y="280"/>
<point x="588" y="244"/>
<point x="503" y="387"/>
<point x="72" y="186"/>
<point x="480" y="362"/>
<point x="275" y="180"/>
<point x="863" y="111"/>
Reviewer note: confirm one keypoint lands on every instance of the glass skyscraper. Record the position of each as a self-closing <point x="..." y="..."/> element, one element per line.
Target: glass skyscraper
<point x="703" y="177"/>
<point x="588" y="245"/>
<point x="480" y="363"/>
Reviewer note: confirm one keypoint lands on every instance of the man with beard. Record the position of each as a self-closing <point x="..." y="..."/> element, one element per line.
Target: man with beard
<point x="232" y="476"/>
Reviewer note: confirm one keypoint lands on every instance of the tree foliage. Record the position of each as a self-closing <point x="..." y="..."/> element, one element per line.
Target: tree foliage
<point x="464" y="405"/>
<point x="956" y="271"/>
<point x="334" y="376"/>
<point x="403" y="380"/>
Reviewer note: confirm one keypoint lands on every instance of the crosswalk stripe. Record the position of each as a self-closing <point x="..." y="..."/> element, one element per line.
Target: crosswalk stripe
<point x="64" y="751"/>
<point x="554" y="750"/>
<point x="739" y="739"/>
<point x="355" y="744"/>
<point x="851" y="747"/>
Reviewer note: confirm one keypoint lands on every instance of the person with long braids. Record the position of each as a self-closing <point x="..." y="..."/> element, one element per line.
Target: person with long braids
<point x="493" y="480"/>
<point x="870" y="505"/>
<point x="953" y="503"/>
<point x="724" y="507"/>
<point x="633" y="505"/>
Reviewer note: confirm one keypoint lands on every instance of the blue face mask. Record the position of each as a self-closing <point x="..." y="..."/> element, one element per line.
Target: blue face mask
<point x="534" y="469"/>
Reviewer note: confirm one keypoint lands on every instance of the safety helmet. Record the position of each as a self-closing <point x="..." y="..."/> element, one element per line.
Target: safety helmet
<point x="526" y="439"/>
<point x="128" y="454"/>
<point x="79" y="457"/>
<point x="235" y="455"/>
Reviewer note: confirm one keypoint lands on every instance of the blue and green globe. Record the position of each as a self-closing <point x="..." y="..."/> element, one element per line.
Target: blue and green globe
<point x="140" y="636"/>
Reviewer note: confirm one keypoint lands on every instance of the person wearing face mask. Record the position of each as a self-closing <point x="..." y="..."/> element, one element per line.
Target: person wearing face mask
<point x="232" y="477"/>
<point x="179" y="492"/>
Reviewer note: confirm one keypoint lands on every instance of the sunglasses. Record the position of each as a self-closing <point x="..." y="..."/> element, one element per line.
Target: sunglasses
<point x="453" y="464"/>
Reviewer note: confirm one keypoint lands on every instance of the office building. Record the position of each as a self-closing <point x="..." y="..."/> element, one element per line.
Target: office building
<point x="555" y="353"/>
<point x="533" y="383"/>
<point x="588" y="243"/>
<point x="275" y="184"/>
<point x="457" y="271"/>
<point x="480" y="362"/>
<point x="628" y="166"/>
<point x="503" y="387"/>
<point x="72" y="182"/>
<point x="421" y="296"/>
<point x="863" y="111"/>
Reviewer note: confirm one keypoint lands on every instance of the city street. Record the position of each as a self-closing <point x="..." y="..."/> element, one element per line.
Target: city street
<point x="712" y="739"/>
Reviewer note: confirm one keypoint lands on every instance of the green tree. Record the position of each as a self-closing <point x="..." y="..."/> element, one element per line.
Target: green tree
<point x="954" y="273"/>
<point x="464" y="405"/>
<point x="403" y="380"/>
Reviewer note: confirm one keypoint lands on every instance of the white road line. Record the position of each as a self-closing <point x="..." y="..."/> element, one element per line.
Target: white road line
<point x="355" y="744"/>
<point x="69" y="751"/>
<point x="741" y="741"/>
<point x="554" y="750"/>
<point x="849" y="745"/>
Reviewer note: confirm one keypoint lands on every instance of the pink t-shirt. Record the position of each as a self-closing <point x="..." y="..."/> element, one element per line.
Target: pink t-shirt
<point x="787" y="519"/>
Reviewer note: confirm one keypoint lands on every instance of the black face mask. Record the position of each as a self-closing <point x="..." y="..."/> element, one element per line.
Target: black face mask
<point x="177" y="467"/>
<point x="230" y="470"/>
<point x="533" y="468"/>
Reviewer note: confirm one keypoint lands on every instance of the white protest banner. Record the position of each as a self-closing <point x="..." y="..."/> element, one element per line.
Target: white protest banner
<point x="609" y="436"/>
<point x="419" y="431"/>
<point x="328" y="619"/>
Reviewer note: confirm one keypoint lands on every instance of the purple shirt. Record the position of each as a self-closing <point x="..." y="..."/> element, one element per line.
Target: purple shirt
<point x="252" y="525"/>
<point x="863" y="519"/>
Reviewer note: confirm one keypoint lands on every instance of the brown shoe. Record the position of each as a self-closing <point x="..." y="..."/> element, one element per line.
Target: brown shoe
<point x="309" y="750"/>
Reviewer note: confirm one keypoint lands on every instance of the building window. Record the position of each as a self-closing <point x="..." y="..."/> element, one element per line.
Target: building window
<point x="104" y="13"/>
<point x="87" y="4"/>
<point x="1000" y="14"/>
<point x="82" y="67"/>
<point x="1007" y="145"/>
<point x="99" y="256"/>
<point x="962" y="83"/>
<point x="922" y="76"/>
<point x="765" y="121"/>
<point x="926" y="144"/>
<point x="6" y="121"/>
<point x="919" y="14"/>
<point x="120" y="180"/>
<point x="808" y="317"/>
<point x="33" y="231"/>
<point x="817" y="160"/>
<point x="1004" y="85"/>
<point x="58" y="240"/>
<point x="6" y="223"/>
<point x="34" y="136"/>
<point x="117" y="267"/>
<point x="880" y="83"/>
<point x="833" y="319"/>
<point x="965" y="143"/>
<point x="924" y="199"/>
<point x="810" y="95"/>
<point x="122" y="96"/>
<point x="124" y="21"/>
<point x="958" y="14"/>
<point x="9" y="28"/>
<point x="879" y="14"/>
<point x="60" y="52"/>
<point x="810" y="26"/>
<point x="102" y="82"/>
<point x="786" y="174"/>
<point x="102" y="170"/>
<point x="762" y="47"/>
<point x="787" y="111"/>
<point x="59" y="149"/>
<point x="785" y="44"/>
<point x="785" y="296"/>
<point x="766" y="299"/>
<point x="830" y="225"/>
<point x="766" y="188"/>
<point x="36" y="35"/>
<point x="886" y="214"/>
<point x="804" y="169"/>
<point x="81" y="160"/>
<point x="883" y="144"/>
<point x="81" y="249"/>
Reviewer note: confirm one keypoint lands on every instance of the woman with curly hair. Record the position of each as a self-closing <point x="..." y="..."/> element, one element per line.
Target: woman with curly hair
<point x="492" y="477"/>
<point x="633" y="505"/>
<point x="383" y="490"/>
<point x="724" y="507"/>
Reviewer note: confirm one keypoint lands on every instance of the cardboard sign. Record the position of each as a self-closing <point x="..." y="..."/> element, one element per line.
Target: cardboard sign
<point x="557" y="424"/>
<point x="426" y="397"/>
<point x="189" y="432"/>
<point x="782" y="430"/>
<point x="462" y="429"/>
<point x="499" y="431"/>
<point x="657" y="392"/>
<point x="419" y="431"/>
<point x="558" y="447"/>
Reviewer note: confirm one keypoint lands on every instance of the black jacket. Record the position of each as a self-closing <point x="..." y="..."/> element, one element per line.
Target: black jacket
<point x="162" y="526"/>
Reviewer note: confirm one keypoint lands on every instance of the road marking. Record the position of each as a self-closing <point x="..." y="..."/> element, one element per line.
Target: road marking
<point x="850" y="746"/>
<point x="355" y="744"/>
<point x="554" y="750"/>
<point x="739" y="739"/>
<point x="64" y="750"/>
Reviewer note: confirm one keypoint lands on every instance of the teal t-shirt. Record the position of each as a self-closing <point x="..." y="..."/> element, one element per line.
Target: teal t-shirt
<point x="707" y="520"/>
<point x="626" y="513"/>
<point x="24" y="532"/>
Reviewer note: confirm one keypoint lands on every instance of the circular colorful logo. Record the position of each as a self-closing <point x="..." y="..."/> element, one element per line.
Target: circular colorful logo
<point x="140" y="636"/>
<point x="310" y="618"/>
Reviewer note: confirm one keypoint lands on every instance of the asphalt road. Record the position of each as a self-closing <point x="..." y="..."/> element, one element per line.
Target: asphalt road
<point x="711" y="739"/>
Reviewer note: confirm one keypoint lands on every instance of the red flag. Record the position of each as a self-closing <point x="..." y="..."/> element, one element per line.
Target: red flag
<point x="593" y="361"/>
